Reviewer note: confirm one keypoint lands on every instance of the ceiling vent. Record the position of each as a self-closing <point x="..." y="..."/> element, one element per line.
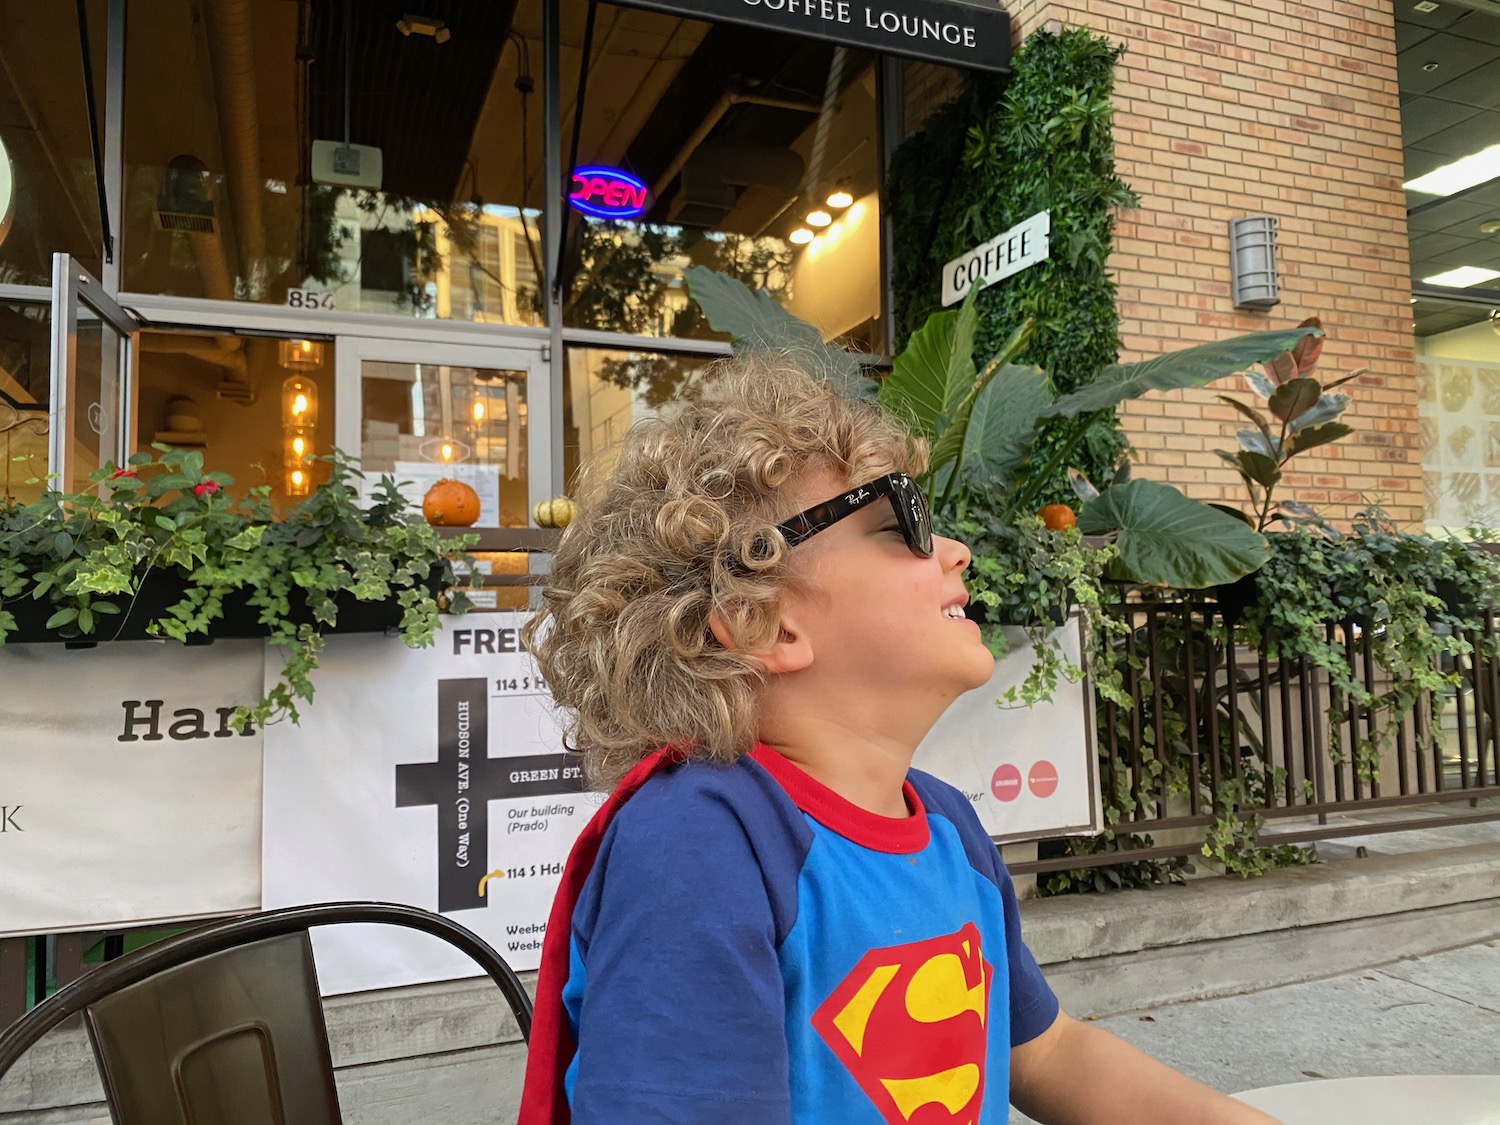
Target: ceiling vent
<point x="713" y="178"/>
<point x="184" y="204"/>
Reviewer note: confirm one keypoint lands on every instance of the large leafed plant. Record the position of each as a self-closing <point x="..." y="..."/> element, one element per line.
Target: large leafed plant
<point x="982" y="423"/>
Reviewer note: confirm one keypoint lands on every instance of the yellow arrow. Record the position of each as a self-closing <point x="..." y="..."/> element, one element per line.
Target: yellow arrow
<point x="495" y="874"/>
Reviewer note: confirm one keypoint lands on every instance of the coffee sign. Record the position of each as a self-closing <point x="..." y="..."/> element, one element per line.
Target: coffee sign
<point x="1025" y="244"/>
<point x="970" y="35"/>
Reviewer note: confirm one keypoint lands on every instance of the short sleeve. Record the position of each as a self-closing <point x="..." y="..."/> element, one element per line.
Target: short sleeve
<point x="1033" y="1004"/>
<point x="675" y="989"/>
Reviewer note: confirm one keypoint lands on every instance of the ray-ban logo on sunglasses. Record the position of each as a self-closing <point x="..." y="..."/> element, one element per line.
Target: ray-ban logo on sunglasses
<point x="856" y="497"/>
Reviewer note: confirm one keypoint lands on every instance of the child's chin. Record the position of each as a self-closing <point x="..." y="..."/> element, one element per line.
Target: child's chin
<point x="984" y="668"/>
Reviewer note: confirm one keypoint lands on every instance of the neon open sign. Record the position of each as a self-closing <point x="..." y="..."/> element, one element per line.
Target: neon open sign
<point x="607" y="193"/>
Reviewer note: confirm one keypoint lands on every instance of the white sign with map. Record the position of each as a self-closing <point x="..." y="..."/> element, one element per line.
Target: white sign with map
<point x="432" y="777"/>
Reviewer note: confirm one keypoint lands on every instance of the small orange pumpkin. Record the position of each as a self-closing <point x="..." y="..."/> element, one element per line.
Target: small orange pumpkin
<point x="450" y="503"/>
<point x="1057" y="517"/>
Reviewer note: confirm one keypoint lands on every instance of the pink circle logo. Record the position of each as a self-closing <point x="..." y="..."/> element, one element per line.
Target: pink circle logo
<point x="1006" y="784"/>
<point x="1042" y="779"/>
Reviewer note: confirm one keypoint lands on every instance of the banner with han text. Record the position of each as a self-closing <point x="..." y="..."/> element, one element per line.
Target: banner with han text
<point x="125" y="796"/>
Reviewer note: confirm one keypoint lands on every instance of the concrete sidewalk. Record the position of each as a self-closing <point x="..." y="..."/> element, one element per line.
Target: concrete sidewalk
<point x="1437" y="1014"/>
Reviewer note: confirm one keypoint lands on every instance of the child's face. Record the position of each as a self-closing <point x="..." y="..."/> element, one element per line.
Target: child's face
<point x="883" y="622"/>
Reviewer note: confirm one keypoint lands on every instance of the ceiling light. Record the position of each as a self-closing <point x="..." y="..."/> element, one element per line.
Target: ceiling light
<point x="1476" y="168"/>
<point x="1462" y="277"/>
<point x="801" y="236"/>
<point x="1491" y="226"/>
<point x="1425" y="7"/>
<point x="818" y="218"/>
<point x="840" y="199"/>
<point x="423" y="25"/>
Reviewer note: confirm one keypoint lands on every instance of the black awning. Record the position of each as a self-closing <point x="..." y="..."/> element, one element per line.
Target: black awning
<point x="955" y="32"/>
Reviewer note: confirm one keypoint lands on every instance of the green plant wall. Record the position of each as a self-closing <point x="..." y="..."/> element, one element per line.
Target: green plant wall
<point x="1002" y="151"/>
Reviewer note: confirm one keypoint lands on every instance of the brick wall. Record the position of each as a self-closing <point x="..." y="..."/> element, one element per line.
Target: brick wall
<point x="1227" y="109"/>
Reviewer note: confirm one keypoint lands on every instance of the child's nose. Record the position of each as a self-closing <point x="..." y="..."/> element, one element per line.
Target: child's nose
<point x="954" y="555"/>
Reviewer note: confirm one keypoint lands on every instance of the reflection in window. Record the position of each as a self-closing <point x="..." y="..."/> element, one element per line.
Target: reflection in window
<point x="606" y="391"/>
<point x="422" y="422"/>
<point x="759" y="152"/>
<point x="48" y="195"/>
<point x="277" y="153"/>
<point x="223" y="395"/>
<point x="24" y="384"/>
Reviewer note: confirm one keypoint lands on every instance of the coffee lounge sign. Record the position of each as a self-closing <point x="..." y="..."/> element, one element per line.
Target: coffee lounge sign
<point x="971" y="35"/>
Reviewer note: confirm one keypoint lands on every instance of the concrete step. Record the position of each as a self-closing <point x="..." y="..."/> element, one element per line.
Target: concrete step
<point x="1214" y="937"/>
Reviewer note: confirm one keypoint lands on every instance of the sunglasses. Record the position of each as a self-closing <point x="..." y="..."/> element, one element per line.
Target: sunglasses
<point x="910" y="506"/>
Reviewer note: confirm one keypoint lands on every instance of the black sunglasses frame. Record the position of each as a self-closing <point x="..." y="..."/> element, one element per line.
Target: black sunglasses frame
<point x="910" y="506"/>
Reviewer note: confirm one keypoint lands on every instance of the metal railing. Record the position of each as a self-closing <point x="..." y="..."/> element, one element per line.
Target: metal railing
<point x="1218" y="729"/>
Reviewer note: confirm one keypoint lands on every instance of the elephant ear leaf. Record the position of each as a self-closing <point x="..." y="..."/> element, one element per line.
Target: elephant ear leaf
<point x="934" y="374"/>
<point x="756" y="323"/>
<point x="1167" y="539"/>
<point x="1002" y="424"/>
<point x="1190" y="367"/>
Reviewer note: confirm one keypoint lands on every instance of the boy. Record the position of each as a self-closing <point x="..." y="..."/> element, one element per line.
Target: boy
<point x="773" y="919"/>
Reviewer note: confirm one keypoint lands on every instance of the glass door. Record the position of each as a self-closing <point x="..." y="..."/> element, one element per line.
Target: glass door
<point x="92" y="381"/>
<point x="422" y="412"/>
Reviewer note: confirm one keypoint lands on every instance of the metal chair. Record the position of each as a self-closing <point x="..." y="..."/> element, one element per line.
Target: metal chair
<point x="224" y="1025"/>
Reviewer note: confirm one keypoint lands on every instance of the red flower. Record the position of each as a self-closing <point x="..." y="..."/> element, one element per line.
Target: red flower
<point x="118" y="473"/>
<point x="207" y="488"/>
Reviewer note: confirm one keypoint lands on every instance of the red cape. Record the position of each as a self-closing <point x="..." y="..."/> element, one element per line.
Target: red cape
<point x="551" y="1048"/>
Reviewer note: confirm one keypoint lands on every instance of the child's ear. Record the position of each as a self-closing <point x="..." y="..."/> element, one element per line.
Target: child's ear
<point x="790" y="651"/>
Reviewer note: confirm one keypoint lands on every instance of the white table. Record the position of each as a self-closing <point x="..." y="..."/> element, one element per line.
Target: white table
<point x="1464" y="1099"/>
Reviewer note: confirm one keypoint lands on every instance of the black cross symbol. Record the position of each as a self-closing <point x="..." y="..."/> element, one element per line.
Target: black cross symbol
<point x="464" y="780"/>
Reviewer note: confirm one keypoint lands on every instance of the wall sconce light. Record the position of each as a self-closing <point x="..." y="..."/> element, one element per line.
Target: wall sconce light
<point x="840" y="199"/>
<point x="301" y="355"/>
<point x="819" y="218"/>
<point x="800" y="237"/>
<point x="1252" y="262"/>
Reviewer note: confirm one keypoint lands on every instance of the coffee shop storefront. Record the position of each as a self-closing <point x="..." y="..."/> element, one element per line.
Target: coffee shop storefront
<point x="464" y="227"/>
<point x="450" y="243"/>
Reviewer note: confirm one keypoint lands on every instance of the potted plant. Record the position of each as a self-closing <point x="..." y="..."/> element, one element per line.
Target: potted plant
<point x="160" y="548"/>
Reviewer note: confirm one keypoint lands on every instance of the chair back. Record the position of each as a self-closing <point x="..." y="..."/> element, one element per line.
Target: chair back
<point x="234" y="1038"/>
<point x="223" y="1025"/>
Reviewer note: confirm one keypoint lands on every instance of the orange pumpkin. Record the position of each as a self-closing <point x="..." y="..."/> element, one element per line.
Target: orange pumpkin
<point x="1057" y="517"/>
<point x="450" y="503"/>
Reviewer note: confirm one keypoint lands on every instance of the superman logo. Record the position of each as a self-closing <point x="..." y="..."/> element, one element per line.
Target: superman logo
<point x="909" y="1022"/>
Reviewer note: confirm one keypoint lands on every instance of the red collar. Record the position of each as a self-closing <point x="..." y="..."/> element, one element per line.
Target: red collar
<point x="897" y="835"/>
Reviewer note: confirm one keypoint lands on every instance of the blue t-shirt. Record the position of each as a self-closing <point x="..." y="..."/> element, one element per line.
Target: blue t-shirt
<point x="752" y="949"/>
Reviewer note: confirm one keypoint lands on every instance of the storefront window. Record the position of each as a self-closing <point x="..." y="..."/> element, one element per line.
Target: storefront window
<point x="422" y="422"/>
<point x="49" y="198"/>
<point x="1458" y="381"/>
<point x="741" y="149"/>
<point x="339" y="155"/>
<point x="606" y="391"/>
<point x="223" y="395"/>
<point x="24" y="354"/>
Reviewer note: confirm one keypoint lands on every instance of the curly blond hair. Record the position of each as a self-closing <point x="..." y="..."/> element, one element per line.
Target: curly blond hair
<point x="682" y="522"/>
